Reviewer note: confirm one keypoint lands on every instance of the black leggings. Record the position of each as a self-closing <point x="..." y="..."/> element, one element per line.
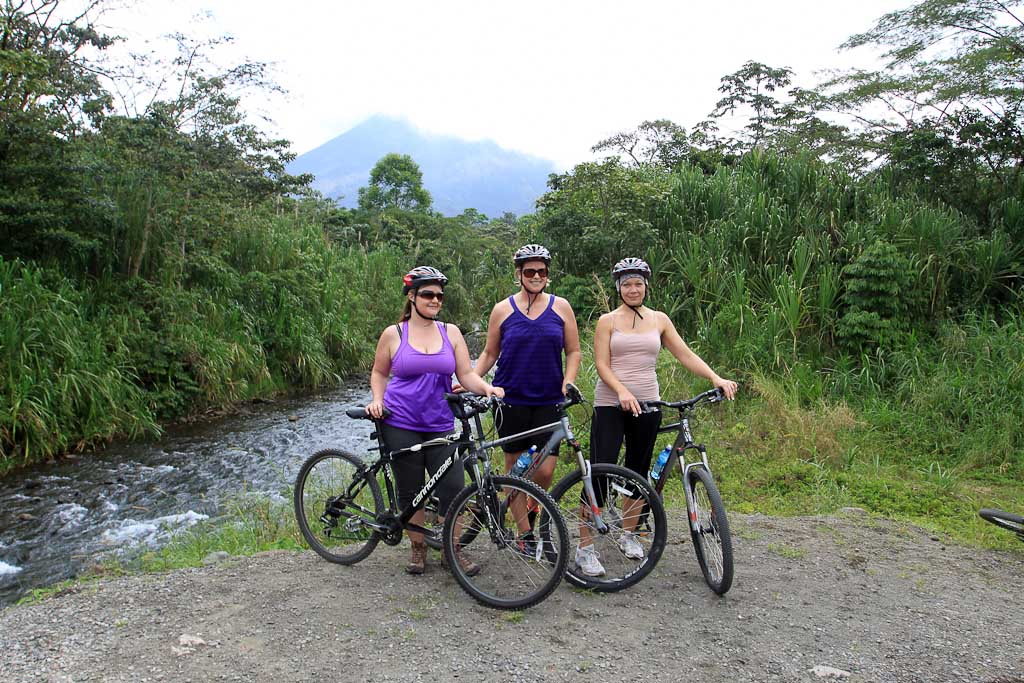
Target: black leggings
<point x="607" y="429"/>
<point x="409" y="467"/>
<point x="611" y="424"/>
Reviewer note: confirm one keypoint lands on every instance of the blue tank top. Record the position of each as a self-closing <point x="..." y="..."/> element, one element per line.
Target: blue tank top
<point x="530" y="362"/>
<point x="419" y="381"/>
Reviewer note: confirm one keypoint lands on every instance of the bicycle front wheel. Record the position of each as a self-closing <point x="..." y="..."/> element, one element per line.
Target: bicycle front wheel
<point x="711" y="539"/>
<point x="334" y="506"/>
<point x="636" y="534"/>
<point x="505" y="565"/>
<point x="1004" y="520"/>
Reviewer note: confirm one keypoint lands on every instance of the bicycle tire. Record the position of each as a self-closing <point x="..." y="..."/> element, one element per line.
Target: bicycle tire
<point x="509" y="576"/>
<point x="711" y="540"/>
<point x="337" y="532"/>
<point x="621" y="572"/>
<point x="1004" y="520"/>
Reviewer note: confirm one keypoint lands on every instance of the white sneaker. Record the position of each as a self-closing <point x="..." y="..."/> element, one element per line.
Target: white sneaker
<point x="631" y="547"/>
<point x="588" y="562"/>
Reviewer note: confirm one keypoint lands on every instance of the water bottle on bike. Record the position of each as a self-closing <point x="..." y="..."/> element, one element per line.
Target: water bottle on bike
<point x="523" y="462"/>
<point x="659" y="464"/>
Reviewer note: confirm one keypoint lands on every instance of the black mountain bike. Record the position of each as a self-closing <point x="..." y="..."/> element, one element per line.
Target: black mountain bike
<point x="603" y="504"/>
<point x="341" y="513"/>
<point x="1004" y="520"/>
<point x="709" y="527"/>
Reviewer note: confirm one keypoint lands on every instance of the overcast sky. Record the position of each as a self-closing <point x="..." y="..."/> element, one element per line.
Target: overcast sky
<point x="547" y="78"/>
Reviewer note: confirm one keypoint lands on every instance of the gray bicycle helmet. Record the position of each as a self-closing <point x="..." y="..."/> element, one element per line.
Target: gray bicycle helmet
<point x="531" y="252"/>
<point x="630" y="266"/>
<point x="422" y="275"/>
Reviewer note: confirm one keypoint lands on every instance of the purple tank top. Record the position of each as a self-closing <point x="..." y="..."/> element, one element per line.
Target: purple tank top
<point x="419" y="381"/>
<point x="530" y="362"/>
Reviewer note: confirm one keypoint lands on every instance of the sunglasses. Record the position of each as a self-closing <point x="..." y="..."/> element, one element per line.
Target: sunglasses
<point x="430" y="295"/>
<point x="535" y="272"/>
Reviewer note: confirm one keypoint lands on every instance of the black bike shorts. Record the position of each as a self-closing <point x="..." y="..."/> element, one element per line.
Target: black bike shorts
<point x="514" y="419"/>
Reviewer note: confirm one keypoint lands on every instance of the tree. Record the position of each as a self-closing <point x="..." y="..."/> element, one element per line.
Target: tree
<point x="662" y="143"/>
<point x="396" y="182"/>
<point x="953" y="84"/>
<point x="753" y="87"/>
<point x="44" y="67"/>
<point x="49" y="92"/>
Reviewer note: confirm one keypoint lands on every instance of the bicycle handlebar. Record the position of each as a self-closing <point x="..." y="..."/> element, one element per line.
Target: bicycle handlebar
<point x="711" y="396"/>
<point x="466" y="404"/>
<point x="573" y="396"/>
<point x="471" y="404"/>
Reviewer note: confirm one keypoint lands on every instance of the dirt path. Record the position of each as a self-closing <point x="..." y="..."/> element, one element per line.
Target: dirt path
<point x="878" y="600"/>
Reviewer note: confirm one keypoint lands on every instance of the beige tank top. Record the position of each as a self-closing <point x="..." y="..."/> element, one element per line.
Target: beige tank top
<point x="634" y="362"/>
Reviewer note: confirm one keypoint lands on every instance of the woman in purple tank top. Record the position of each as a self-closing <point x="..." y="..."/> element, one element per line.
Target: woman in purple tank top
<point x="627" y="342"/>
<point x="412" y="371"/>
<point x="527" y="335"/>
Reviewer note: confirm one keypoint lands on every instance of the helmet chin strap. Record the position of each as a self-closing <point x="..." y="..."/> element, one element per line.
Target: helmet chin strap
<point x="636" y="309"/>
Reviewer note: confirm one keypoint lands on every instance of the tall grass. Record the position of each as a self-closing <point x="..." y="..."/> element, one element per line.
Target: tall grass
<point x="65" y="382"/>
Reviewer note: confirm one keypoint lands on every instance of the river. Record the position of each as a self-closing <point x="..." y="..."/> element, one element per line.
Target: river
<point x="59" y="519"/>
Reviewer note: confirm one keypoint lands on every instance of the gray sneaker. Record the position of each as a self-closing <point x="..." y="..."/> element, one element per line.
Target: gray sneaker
<point x="588" y="560"/>
<point x="631" y="547"/>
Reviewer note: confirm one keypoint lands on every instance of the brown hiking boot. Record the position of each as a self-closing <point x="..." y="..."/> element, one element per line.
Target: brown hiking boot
<point x="417" y="559"/>
<point x="469" y="567"/>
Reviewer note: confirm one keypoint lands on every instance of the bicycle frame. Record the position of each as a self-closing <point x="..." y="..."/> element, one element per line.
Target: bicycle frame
<point x="561" y="430"/>
<point x="466" y="448"/>
<point x="383" y="465"/>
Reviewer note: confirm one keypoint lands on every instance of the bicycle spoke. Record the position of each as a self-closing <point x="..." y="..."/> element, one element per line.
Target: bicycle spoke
<point x="512" y="573"/>
<point x="333" y="505"/>
<point x="635" y="527"/>
<point x="711" y="540"/>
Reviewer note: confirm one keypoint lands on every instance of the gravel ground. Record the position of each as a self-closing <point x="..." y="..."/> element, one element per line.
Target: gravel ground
<point x="871" y="599"/>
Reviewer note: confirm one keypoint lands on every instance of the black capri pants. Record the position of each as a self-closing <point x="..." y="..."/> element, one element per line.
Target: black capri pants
<point x="409" y="468"/>
<point x="609" y="427"/>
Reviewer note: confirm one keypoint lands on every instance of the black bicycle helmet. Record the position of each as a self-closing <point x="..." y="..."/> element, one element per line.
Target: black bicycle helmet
<point x="531" y="252"/>
<point x="630" y="266"/>
<point x="422" y="275"/>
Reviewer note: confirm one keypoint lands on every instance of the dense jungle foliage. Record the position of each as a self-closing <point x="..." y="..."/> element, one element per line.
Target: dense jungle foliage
<point x="862" y="282"/>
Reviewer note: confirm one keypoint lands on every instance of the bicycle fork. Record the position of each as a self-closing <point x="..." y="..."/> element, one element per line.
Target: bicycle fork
<point x="685" y="467"/>
<point x="588" y="486"/>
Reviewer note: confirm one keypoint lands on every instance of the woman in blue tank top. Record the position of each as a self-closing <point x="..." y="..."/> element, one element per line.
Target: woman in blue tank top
<point x="527" y="335"/>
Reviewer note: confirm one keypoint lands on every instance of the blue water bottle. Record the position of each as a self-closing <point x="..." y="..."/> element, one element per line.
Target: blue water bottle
<point x="659" y="464"/>
<point x="523" y="462"/>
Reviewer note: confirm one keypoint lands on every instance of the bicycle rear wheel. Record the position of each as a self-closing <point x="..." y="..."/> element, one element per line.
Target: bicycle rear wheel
<point x="627" y="502"/>
<point x="497" y="567"/>
<point x="711" y="539"/>
<point x="334" y="502"/>
<point x="1004" y="520"/>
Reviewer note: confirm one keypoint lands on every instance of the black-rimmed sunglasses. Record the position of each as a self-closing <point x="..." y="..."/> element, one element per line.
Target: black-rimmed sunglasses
<point x="430" y="295"/>
<point x="535" y="272"/>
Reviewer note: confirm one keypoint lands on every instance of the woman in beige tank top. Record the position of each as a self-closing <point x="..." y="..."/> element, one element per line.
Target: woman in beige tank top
<point x="627" y="342"/>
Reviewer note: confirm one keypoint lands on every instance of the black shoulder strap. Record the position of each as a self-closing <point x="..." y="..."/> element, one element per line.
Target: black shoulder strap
<point x="399" y="328"/>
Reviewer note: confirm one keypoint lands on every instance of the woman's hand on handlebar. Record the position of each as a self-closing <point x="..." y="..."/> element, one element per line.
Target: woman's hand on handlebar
<point x="727" y="386"/>
<point x="629" y="403"/>
<point x="493" y="391"/>
<point x="375" y="409"/>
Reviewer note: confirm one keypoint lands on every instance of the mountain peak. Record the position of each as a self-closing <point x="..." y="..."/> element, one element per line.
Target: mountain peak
<point x="459" y="174"/>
